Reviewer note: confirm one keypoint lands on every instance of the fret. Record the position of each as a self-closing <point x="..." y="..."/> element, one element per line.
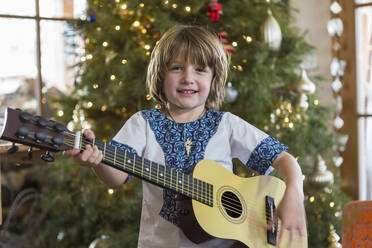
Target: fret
<point x="125" y="158"/>
<point x="180" y="182"/>
<point x="203" y="190"/>
<point x="142" y="168"/>
<point x="134" y="162"/>
<point x="195" y="188"/>
<point x="200" y="193"/>
<point x="115" y="155"/>
<point x="164" y="173"/>
<point x="208" y="194"/>
<point x="171" y="182"/>
<point x="104" y="150"/>
<point x="191" y="188"/>
<point x="150" y="170"/>
<point x="157" y="175"/>
<point x="80" y="142"/>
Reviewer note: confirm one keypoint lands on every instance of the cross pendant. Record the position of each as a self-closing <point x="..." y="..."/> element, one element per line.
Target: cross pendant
<point x="188" y="144"/>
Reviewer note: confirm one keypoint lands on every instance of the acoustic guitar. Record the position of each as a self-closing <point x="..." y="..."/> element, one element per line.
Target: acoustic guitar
<point x="212" y="202"/>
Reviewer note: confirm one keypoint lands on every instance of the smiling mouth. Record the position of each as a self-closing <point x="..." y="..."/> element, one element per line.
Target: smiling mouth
<point x="187" y="91"/>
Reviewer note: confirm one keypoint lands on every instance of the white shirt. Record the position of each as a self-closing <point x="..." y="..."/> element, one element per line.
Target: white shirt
<point x="222" y="137"/>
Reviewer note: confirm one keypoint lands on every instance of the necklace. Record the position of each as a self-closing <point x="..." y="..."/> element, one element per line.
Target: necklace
<point x="188" y="142"/>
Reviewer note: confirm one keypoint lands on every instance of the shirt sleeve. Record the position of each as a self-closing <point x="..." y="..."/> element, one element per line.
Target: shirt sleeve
<point x="253" y="147"/>
<point x="132" y="136"/>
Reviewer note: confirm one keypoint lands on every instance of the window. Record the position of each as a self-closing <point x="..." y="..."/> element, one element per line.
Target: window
<point x="357" y="98"/>
<point x="33" y="48"/>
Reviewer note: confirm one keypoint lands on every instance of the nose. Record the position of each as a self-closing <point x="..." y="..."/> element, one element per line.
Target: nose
<point x="188" y="75"/>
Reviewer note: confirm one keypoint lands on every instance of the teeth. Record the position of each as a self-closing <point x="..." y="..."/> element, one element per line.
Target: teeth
<point x="188" y="91"/>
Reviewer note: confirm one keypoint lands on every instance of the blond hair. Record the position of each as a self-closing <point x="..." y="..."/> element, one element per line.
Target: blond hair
<point x="198" y="46"/>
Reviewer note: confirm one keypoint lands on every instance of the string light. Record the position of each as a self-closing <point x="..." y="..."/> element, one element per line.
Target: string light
<point x="89" y="104"/>
<point x="147" y="47"/>
<point x="112" y="77"/>
<point x="234" y="44"/>
<point x="311" y="199"/>
<point x="117" y="27"/>
<point x="316" y="102"/>
<point x="136" y="24"/>
<point x="60" y="113"/>
<point x="142" y="5"/>
<point x="103" y="108"/>
<point x="188" y="9"/>
<point x="124" y="61"/>
<point x="105" y="44"/>
<point x="331" y="204"/>
<point x="124" y="6"/>
<point x="174" y="6"/>
<point x="89" y="56"/>
<point x="83" y="59"/>
<point x="110" y="191"/>
<point x="95" y="86"/>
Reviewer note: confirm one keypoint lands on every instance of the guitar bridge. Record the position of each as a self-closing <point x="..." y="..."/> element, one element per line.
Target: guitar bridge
<point x="270" y="209"/>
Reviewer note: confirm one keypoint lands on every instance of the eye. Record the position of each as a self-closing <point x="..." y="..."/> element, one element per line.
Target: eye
<point x="200" y="69"/>
<point x="176" y="68"/>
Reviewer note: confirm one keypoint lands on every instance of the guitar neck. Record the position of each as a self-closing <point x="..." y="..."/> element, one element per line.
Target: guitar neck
<point x="152" y="172"/>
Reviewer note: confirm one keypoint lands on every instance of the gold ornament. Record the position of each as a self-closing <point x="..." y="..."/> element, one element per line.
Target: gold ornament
<point x="333" y="238"/>
<point x="306" y="85"/>
<point x="320" y="175"/>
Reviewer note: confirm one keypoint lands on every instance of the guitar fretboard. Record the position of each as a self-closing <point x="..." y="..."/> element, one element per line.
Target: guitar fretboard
<point x="152" y="172"/>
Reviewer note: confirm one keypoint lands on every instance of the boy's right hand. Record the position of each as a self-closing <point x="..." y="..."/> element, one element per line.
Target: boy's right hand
<point x="90" y="157"/>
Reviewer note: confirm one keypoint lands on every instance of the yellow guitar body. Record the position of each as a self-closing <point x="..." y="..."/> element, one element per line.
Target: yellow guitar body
<point x="244" y="221"/>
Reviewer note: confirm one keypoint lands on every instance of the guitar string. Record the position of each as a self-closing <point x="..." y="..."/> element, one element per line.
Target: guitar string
<point x="202" y="188"/>
<point x="174" y="182"/>
<point x="160" y="180"/>
<point x="202" y="196"/>
<point x="256" y="224"/>
<point x="231" y="201"/>
<point x="231" y="207"/>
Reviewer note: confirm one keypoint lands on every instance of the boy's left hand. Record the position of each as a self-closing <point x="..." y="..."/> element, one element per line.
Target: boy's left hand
<point x="291" y="213"/>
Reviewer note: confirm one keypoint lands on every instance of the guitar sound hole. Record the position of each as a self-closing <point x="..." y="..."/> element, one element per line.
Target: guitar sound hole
<point x="231" y="204"/>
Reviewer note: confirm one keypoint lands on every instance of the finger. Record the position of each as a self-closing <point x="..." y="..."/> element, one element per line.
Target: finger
<point x="70" y="153"/>
<point x="94" y="156"/>
<point x="89" y="134"/>
<point x="87" y="153"/>
<point x="99" y="158"/>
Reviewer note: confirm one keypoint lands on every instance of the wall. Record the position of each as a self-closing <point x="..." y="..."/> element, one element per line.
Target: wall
<point x="313" y="16"/>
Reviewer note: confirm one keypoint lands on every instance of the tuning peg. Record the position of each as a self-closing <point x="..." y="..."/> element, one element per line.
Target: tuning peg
<point x="41" y="121"/>
<point x="25" y="117"/>
<point x="22" y="132"/>
<point x="47" y="157"/>
<point x="29" y="153"/>
<point x="13" y="149"/>
<point x="59" y="128"/>
<point x="40" y="136"/>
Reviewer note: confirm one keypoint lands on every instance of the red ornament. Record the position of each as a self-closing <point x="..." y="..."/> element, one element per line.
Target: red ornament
<point x="214" y="10"/>
<point x="228" y="48"/>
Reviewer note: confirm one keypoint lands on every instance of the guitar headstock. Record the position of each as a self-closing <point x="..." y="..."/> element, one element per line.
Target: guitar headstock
<point x="24" y="128"/>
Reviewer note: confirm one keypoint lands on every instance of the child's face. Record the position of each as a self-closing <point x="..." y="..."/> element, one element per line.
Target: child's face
<point x="186" y="86"/>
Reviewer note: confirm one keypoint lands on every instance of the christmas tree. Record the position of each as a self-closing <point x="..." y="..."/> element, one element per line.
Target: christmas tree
<point x="268" y="86"/>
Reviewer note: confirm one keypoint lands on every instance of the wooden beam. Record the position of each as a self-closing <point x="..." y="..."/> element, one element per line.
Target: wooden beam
<point x="349" y="168"/>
